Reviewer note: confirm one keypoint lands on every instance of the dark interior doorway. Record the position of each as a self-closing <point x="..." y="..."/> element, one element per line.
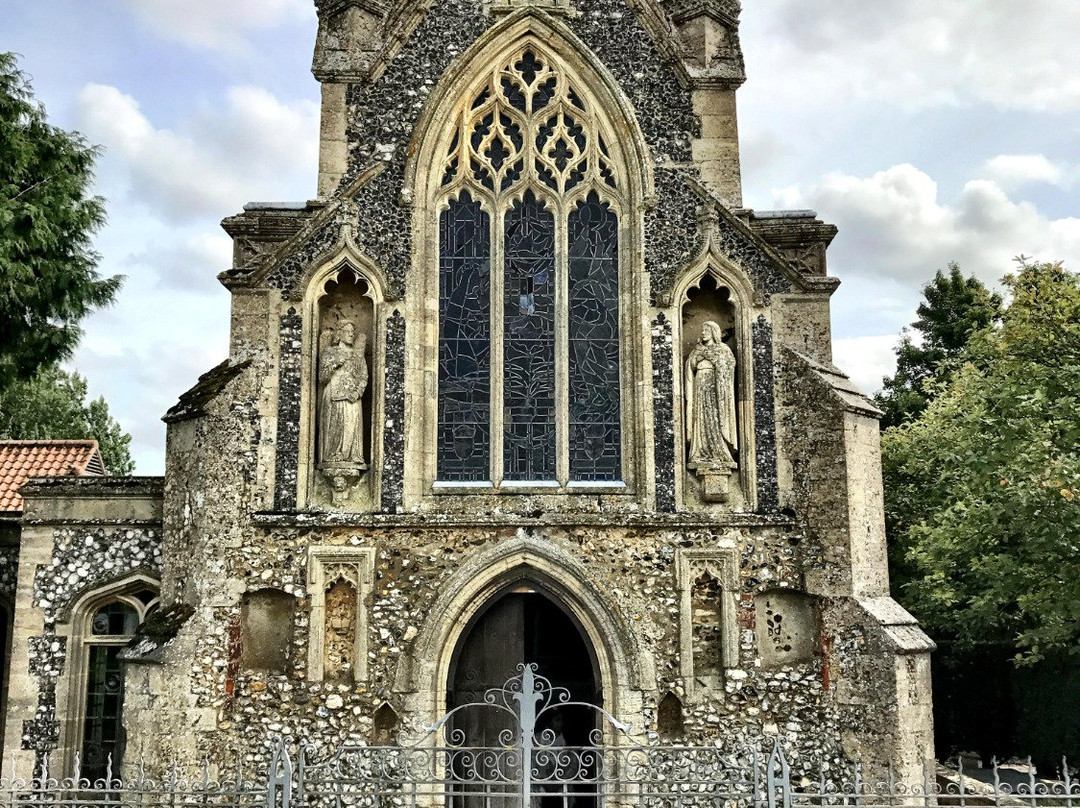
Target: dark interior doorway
<point x="524" y="625"/>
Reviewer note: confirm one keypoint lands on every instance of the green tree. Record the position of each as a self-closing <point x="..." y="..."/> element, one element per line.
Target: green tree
<point x="52" y="405"/>
<point x="954" y="308"/>
<point x="983" y="488"/>
<point x="48" y="275"/>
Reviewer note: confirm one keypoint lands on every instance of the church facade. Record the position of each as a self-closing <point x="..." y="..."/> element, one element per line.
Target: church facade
<point x="525" y="384"/>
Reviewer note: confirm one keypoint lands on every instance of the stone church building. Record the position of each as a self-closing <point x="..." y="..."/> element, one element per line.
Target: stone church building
<point x="524" y="383"/>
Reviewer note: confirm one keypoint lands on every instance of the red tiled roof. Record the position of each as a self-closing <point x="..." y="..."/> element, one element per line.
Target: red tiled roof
<point x="22" y="459"/>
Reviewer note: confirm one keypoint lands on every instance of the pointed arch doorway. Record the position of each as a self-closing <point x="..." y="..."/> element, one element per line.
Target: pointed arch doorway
<point x="523" y="624"/>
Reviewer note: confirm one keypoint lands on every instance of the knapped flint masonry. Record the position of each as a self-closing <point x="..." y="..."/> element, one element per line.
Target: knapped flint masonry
<point x="452" y="435"/>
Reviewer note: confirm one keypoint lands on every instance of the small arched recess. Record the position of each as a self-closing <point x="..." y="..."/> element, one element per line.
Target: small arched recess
<point x="342" y="385"/>
<point x="528" y="180"/>
<point x="713" y="291"/>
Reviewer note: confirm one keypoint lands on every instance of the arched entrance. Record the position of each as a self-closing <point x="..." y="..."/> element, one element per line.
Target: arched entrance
<point x="523" y="624"/>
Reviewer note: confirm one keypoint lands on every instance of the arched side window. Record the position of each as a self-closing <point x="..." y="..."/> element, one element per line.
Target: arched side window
<point x="106" y="628"/>
<point x="529" y="207"/>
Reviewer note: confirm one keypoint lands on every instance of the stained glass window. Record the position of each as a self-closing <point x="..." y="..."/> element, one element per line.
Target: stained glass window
<point x="529" y="342"/>
<point x="529" y="371"/>
<point x="594" y="342"/>
<point x="108" y="630"/>
<point x="464" y="341"/>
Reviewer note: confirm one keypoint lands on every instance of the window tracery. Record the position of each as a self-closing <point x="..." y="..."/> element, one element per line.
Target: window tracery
<point x="529" y="202"/>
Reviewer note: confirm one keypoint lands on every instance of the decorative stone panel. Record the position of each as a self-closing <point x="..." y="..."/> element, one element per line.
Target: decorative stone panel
<point x="328" y="566"/>
<point x="721" y="567"/>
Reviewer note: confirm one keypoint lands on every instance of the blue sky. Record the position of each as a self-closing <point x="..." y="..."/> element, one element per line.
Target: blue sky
<point x="927" y="130"/>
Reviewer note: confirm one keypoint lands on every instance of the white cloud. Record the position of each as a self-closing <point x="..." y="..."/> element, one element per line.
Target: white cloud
<point x="193" y="264"/>
<point x="1013" y="170"/>
<point x="1013" y="54"/>
<point x="866" y="359"/>
<point x="218" y="25"/>
<point x="145" y="351"/>
<point x="894" y="225"/>
<point x="253" y="145"/>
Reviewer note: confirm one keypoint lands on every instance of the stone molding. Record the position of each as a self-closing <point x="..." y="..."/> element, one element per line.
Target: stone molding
<point x="533" y="557"/>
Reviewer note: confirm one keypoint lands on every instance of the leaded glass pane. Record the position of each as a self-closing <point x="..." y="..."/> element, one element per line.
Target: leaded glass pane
<point x="116" y="618"/>
<point x="593" y="253"/>
<point x="529" y="342"/>
<point x="104" y="702"/>
<point x="528" y="126"/>
<point x="464" y="342"/>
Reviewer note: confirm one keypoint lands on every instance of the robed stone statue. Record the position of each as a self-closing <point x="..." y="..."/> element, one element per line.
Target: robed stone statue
<point x="711" y="427"/>
<point x="343" y="373"/>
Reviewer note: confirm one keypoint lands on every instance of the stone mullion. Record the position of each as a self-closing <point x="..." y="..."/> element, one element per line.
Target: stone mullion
<point x="562" y="348"/>
<point x="496" y="272"/>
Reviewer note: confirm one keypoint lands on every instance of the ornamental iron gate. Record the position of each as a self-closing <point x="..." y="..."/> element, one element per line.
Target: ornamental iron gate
<point x="533" y="767"/>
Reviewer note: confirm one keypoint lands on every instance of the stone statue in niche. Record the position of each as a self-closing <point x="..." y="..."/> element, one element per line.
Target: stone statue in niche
<point x="711" y="429"/>
<point x="343" y="374"/>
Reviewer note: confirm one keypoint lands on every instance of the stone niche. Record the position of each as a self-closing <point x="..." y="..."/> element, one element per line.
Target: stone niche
<point x="342" y="405"/>
<point x="266" y="629"/>
<point x="710" y="394"/>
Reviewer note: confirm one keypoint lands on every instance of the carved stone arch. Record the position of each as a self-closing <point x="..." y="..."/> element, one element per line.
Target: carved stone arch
<point x="747" y="303"/>
<point x="345" y="254"/>
<point x="624" y="668"/>
<point x="606" y="108"/>
<point x="345" y="266"/>
<point x="121" y="585"/>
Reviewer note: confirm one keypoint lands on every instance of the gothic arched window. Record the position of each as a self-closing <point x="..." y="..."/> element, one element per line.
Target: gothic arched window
<point x="107" y="629"/>
<point x="528" y="229"/>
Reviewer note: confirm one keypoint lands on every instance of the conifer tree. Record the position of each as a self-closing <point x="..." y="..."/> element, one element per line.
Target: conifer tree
<point x="48" y="268"/>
